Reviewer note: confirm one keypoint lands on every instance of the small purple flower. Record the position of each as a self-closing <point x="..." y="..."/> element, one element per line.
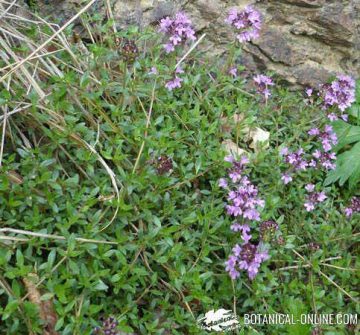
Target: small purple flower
<point x="321" y="196"/>
<point x="262" y="83"/>
<point x="332" y="117"/>
<point x="229" y="159"/>
<point x="235" y="172"/>
<point x="244" y="229"/>
<point x="174" y="83"/>
<point x="153" y="71"/>
<point x="309" y="92"/>
<point x="246" y="22"/>
<point x="314" y="132"/>
<point x="353" y="208"/>
<point x="235" y="227"/>
<point x="310" y="187"/>
<point x="286" y="178"/>
<point x="284" y="151"/>
<point x="345" y="117"/>
<point x="233" y="71"/>
<point x="178" y="29"/>
<point x="313" y="198"/>
<point x="309" y="206"/>
<point x="179" y="70"/>
<point x="325" y="158"/>
<point x="223" y="183"/>
<point x="231" y="267"/>
<point x="243" y="203"/>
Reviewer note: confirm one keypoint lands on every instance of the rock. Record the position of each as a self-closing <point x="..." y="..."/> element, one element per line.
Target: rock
<point x="260" y="138"/>
<point x="304" y="41"/>
<point x="231" y="148"/>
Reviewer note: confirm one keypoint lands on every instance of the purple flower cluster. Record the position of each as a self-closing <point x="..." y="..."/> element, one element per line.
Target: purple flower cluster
<point x="324" y="158"/>
<point x="313" y="197"/>
<point x="353" y="208"/>
<point x="178" y="29"/>
<point x="247" y="257"/>
<point x="243" y="199"/>
<point x="340" y="93"/>
<point x="262" y="84"/>
<point x="327" y="137"/>
<point x="246" y="22"/>
<point x="296" y="159"/>
<point x="297" y="162"/>
<point x="176" y="81"/>
<point x="243" y="203"/>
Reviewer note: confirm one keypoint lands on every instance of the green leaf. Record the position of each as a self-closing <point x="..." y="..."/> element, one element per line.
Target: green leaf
<point x="347" y="168"/>
<point x="10" y="308"/>
<point x="101" y="286"/>
<point x="346" y="134"/>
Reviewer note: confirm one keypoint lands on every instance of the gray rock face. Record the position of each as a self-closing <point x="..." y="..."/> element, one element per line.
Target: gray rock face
<point x="304" y="41"/>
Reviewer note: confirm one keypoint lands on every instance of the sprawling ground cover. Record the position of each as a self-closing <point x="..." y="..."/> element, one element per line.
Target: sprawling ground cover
<point x="151" y="185"/>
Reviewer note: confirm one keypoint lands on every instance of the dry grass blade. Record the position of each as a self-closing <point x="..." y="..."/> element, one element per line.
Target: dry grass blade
<point x="49" y="236"/>
<point x="327" y="277"/>
<point x="190" y="50"/>
<point x="52" y="37"/>
<point x="7" y="9"/>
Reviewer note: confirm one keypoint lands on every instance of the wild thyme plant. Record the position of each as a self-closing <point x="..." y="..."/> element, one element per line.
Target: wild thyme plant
<point x="110" y="190"/>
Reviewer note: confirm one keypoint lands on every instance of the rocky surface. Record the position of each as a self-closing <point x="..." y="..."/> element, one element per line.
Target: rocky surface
<point x="304" y="41"/>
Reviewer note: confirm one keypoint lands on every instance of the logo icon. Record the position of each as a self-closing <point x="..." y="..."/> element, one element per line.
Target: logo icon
<point x="219" y="321"/>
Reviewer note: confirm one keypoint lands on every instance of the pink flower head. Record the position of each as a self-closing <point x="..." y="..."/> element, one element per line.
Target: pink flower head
<point x="353" y="208"/>
<point x="340" y="93"/>
<point x="313" y="197"/>
<point x="247" y="23"/>
<point x="178" y="29"/>
<point x="246" y="257"/>
<point x="296" y="159"/>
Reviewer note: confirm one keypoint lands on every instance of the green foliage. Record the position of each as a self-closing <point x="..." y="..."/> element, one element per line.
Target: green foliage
<point x="348" y="163"/>
<point x="170" y="235"/>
